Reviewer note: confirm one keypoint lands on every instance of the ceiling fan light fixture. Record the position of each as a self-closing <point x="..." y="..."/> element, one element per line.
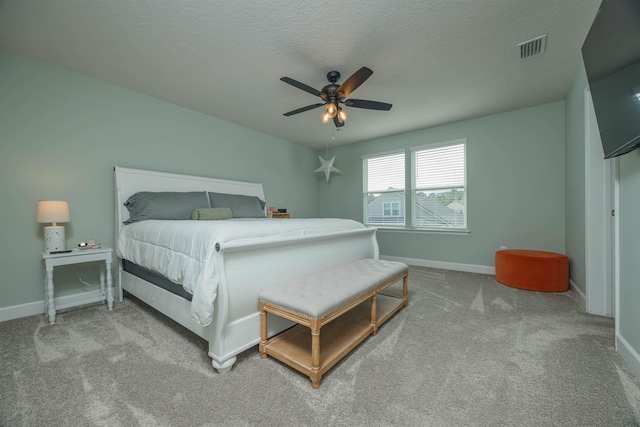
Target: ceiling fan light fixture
<point x="325" y="117"/>
<point x="342" y="115"/>
<point x="332" y="110"/>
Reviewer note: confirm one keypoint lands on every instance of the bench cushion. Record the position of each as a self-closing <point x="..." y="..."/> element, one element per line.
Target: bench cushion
<point x="316" y="295"/>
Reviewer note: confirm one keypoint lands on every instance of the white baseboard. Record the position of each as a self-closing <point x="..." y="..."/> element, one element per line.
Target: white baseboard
<point x="470" y="268"/>
<point x="628" y="354"/>
<point x="578" y="296"/>
<point x="37" y="307"/>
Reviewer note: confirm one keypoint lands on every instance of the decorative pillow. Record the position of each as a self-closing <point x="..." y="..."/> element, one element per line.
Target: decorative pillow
<point x="241" y="206"/>
<point x="164" y="205"/>
<point x="212" y="213"/>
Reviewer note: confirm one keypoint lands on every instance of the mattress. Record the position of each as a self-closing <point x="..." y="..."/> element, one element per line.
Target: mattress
<point x="184" y="251"/>
<point x="156" y="279"/>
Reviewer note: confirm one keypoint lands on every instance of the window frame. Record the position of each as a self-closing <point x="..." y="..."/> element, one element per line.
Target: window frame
<point x="410" y="186"/>
<point x="365" y="189"/>
<point x="411" y="199"/>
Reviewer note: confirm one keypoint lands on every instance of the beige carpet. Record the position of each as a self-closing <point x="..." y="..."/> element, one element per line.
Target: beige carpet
<point x="466" y="352"/>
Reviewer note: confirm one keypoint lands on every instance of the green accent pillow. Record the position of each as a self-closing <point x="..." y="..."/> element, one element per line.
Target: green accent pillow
<point x="211" y="213"/>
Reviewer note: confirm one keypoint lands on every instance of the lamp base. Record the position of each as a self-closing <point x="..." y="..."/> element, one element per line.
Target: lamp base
<point x="54" y="239"/>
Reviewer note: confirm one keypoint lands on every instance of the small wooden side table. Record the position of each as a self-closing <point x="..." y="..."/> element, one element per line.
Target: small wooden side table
<point x="78" y="256"/>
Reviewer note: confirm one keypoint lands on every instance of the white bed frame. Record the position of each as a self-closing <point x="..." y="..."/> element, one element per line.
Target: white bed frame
<point x="244" y="269"/>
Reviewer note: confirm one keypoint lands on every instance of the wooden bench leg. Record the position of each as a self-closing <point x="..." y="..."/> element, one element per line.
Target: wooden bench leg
<point x="315" y="356"/>
<point x="405" y="290"/>
<point x="263" y="331"/>
<point x="374" y="315"/>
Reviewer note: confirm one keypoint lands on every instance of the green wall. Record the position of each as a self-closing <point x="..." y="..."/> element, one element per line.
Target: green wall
<point x="61" y="135"/>
<point x="575" y="221"/>
<point x="515" y="180"/>
<point x="629" y="250"/>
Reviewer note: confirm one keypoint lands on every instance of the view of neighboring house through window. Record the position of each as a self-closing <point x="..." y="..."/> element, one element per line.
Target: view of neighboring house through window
<point x="384" y="183"/>
<point x="439" y="186"/>
<point x="438" y="196"/>
<point x="391" y="209"/>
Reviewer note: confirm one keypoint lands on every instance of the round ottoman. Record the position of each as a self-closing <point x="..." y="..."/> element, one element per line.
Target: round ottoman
<point x="533" y="270"/>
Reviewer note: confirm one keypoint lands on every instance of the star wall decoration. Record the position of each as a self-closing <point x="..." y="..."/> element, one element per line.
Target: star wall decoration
<point x="327" y="166"/>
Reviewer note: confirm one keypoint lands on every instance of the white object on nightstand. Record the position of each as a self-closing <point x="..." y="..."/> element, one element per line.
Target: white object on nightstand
<point x="76" y="257"/>
<point x="53" y="211"/>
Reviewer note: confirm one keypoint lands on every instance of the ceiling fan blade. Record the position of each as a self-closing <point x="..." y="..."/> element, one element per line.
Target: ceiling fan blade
<point x="337" y="122"/>
<point x="302" y="86"/>
<point x="355" y="80"/>
<point x="369" y="105"/>
<point x="303" y="109"/>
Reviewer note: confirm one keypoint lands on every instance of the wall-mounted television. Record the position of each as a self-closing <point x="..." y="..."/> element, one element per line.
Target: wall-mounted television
<point x="611" y="54"/>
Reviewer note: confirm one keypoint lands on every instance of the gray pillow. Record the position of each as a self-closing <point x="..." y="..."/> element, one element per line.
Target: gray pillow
<point x="164" y="205"/>
<point x="241" y="206"/>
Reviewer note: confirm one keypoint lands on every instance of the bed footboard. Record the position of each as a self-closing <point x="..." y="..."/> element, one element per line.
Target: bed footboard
<point x="236" y="325"/>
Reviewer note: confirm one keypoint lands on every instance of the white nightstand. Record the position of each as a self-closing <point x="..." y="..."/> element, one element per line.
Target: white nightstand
<point x="77" y="256"/>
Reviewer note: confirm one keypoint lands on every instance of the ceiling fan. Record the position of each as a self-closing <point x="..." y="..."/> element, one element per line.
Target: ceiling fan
<point x="333" y="95"/>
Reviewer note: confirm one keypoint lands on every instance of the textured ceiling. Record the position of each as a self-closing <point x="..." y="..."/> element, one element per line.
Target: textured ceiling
<point x="436" y="61"/>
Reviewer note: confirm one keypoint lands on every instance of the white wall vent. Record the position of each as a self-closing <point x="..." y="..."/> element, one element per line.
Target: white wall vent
<point x="532" y="47"/>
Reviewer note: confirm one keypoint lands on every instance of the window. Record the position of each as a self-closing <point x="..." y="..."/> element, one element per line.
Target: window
<point x="439" y="199"/>
<point x="384" y="196"/>
<point x="438" y="196"/>
<point x="391" y="209"/>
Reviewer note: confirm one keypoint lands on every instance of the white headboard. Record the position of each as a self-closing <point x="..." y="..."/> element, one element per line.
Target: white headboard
<point x="130" y="181"/>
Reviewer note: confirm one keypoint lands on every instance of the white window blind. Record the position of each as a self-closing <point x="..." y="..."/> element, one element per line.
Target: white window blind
<point x="440" y="167"/>
<point x="385" y="172"/>
<point x="384" y="185"/>
<point x="439" y="187"/>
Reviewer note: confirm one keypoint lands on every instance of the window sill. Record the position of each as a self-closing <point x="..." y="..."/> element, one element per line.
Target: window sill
<point x="421" y="230"/>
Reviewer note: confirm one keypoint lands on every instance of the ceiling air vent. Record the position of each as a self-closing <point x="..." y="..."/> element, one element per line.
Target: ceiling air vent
<point x="532" y="47"/>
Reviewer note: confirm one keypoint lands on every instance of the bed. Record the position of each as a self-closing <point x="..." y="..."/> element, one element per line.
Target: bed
<point x="237" y="267"/>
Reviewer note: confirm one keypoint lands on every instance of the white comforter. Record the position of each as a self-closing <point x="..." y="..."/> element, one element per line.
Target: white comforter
<point x="184" y="251"/>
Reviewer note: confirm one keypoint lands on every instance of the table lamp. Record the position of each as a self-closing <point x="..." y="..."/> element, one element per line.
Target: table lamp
<point x="53" y="211"/>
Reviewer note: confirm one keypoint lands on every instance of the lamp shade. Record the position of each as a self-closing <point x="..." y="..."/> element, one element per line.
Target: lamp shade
<point x="53" y="211"/>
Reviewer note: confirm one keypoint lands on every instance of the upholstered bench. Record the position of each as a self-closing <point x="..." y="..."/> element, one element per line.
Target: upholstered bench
<point x="345" y="302"/>
<point x="533" y="270"/>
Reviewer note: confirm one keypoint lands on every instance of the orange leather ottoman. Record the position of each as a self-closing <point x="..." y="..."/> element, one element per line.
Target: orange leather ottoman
<point x="533" y="270"/>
